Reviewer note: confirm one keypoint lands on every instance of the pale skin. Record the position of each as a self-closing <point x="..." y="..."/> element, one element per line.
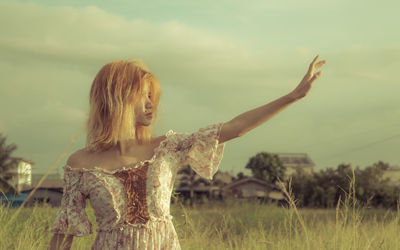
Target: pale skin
<point x="128" y="152"/>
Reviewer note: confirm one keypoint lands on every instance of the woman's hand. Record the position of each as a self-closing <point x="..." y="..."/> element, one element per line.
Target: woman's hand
<point x="305" y="85"/>
<point x="247" y="121"/>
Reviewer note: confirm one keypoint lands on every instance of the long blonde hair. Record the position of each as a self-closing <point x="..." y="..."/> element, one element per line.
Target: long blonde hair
<point x="115" y="90"/>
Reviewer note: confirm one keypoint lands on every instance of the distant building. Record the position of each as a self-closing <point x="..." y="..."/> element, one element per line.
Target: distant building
<point x="294" y="161"/>
<point x="54" y="176"/>
<point x="13" y="200"/>
<point x="21" y="176"/>
<point x="253" y="188"/>
<point x="50" y="191"/>
<point x="209" y="189"/>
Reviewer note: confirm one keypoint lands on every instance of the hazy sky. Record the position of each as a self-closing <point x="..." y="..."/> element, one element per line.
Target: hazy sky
<point x="215" y="60"/>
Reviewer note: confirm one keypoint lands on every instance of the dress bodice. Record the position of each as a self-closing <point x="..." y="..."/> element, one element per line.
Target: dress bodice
<point x="139" y="195"/>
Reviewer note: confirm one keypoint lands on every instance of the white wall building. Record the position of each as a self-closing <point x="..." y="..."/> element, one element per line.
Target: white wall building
<point x="21" y="176"/>
<point x="294" y="161"/>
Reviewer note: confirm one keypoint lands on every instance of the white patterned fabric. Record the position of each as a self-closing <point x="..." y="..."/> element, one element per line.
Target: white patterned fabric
<point x="108" y="194"/>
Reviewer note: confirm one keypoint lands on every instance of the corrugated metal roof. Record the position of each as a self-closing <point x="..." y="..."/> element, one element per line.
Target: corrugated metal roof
<point x="295" y="159"/>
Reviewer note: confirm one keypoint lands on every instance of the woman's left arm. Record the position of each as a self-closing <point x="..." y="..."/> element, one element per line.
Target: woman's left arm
<point x="247" y="121"/>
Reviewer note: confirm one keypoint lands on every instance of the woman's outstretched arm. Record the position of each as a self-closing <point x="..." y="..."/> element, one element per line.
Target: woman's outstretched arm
<point x="247" y="121"/>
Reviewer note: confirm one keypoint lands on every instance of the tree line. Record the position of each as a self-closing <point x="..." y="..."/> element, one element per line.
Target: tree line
<point x="324" y="188"/>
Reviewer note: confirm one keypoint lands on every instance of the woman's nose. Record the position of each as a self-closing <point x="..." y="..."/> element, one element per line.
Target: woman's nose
<point x="149" y="104"/>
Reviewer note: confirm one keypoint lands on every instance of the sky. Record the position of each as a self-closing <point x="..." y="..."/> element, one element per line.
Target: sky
<point x="215" y="60"/>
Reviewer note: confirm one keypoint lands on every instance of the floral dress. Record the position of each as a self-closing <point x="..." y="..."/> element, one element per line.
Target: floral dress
<point x="132" y="204"/>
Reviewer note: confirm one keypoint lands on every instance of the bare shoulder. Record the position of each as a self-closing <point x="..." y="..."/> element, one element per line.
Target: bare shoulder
<point x="81" y="158"/>
<point x="159" y="139"/>
<point x="78" y="159"/>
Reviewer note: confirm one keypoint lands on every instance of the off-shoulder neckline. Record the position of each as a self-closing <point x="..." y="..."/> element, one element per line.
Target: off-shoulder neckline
<point x="124" y="167"/>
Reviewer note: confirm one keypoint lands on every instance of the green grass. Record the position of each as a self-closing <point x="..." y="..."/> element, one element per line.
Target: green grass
<point x="233" y="225"/>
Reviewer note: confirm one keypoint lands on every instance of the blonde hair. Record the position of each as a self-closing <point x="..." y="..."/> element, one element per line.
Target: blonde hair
<point x="115" y="90"/>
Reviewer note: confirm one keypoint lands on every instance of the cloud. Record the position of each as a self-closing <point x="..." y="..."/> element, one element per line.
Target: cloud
<point x="86" y="36"/>
<point x="51" y="54"/>
<point x="91" y="34"/>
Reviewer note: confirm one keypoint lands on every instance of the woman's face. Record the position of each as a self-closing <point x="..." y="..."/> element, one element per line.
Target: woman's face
<point x="143" y="108"/>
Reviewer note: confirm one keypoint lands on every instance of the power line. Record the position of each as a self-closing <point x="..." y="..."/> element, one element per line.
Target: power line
<point x="359" y="148"/>
<point x="347" y="136"/>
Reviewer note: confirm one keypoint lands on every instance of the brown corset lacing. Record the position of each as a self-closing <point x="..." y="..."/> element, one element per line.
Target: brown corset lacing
<point x="134" y="181"/>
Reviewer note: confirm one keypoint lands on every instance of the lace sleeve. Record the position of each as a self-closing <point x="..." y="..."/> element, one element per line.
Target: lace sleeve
<point x="71" y="218"/>
<point x="201" y="150"/>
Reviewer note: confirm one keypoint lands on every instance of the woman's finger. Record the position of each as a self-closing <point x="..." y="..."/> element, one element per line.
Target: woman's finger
<point x="311" y="68"/>
<point x="313" y="62"/>
<point x="319" y="64"/>
<point x="316" y="76"/>
<point x="315" y="59"/>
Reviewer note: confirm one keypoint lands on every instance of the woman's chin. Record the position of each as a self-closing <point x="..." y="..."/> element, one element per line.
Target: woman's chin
<point x="145" y="123"/>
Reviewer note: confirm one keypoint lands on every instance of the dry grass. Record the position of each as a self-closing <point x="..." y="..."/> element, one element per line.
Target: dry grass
<point x="234" y="225"/>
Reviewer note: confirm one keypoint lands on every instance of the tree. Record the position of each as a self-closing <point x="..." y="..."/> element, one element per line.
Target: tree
<point x="323" y="188"/>
<point x="6" y="163"/>
<point x="240" y="175"/>
<point x="266" y="166"/>
<point x="372" y="188"/>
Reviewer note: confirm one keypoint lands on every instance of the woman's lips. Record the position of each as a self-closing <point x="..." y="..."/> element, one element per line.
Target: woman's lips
<point x="149" y="115"/>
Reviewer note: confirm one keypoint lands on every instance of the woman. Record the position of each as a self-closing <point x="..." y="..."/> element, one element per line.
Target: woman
<point x="127" y="174"/>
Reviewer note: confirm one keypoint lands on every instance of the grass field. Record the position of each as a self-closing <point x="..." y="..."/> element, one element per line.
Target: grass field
<point x="233" y="225"/>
